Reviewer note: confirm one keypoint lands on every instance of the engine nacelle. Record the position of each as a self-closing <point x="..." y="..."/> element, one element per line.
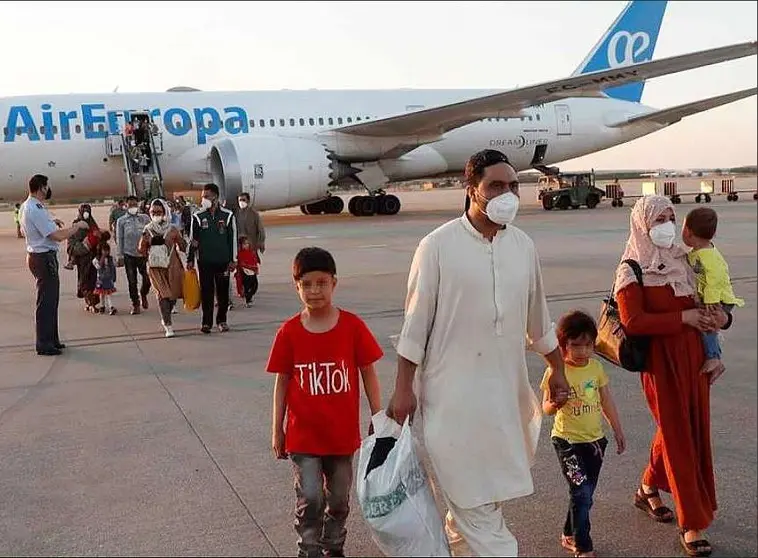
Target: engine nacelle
<point x="276" y="171"/>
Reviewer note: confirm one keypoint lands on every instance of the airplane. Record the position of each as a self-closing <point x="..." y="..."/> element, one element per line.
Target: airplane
<point x="294" y="148"/>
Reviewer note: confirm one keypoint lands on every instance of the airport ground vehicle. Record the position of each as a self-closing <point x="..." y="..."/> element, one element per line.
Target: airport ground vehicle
<point x="564" y="190"/>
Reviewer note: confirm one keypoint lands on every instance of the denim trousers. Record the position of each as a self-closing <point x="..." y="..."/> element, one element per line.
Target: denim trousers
<point x="580" y="464"/>
<point x="322" y="489"/>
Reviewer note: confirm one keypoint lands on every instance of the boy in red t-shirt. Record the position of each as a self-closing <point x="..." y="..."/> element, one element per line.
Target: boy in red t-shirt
<point x="316" y="357"/>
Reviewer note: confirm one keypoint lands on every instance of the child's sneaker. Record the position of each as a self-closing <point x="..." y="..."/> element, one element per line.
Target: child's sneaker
<point x="113" y="312"/>
<point x="169" y="331"/>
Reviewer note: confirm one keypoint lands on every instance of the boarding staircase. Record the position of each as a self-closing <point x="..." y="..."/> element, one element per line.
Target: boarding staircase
<point x="142" y="184"/>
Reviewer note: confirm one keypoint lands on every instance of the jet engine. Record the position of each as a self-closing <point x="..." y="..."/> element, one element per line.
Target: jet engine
<point x="276" y="171"/>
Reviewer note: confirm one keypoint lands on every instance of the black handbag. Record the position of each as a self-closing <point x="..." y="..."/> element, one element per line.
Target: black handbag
<point x="613" y="344"/>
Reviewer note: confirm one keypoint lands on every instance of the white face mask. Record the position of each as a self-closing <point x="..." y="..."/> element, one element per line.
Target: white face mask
<point x="157" y="218"/>
<point x="663" y="235"/>
<point x="243" y="204"/>
<point x="133" y="210"/>
<point x="85" y="215"/>
<point x="502" y="209"/>
<point x="206" y="203"/>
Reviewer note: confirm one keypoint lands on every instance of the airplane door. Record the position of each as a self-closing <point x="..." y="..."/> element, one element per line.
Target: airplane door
<point x="563" y="120"/>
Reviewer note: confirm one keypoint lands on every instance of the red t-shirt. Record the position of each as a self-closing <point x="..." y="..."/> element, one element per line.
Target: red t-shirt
<point x="323" y="396"/>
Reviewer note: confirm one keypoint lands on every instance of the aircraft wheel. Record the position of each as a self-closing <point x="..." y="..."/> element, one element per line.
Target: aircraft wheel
<point x="698" y="198"/>
<point x="755" y="196"/>
<point x="367" y="206"/>
<point x="614" y="203"/>
<point x="352" y="205"/>
<point x="707" y="198"/>
<point x="678" y="199"/>
<point x="334" y="205"/>
<point x="621" y="203"/>
<point x="735" y="197"/>
<point x="592" y="201"/>
<point x="387" y="205"/>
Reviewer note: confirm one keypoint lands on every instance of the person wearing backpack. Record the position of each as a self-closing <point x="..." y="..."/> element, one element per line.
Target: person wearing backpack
<point x="160" y="243"/>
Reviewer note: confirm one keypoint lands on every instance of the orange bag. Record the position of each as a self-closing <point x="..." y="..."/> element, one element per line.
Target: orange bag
<point x="191" y="290"/>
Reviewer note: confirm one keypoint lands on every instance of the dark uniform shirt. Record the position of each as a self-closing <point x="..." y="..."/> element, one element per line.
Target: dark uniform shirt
<point x="216" y="237"/>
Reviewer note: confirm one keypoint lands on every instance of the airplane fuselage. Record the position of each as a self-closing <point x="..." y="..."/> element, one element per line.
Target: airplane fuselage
<point x="64" y="136"/>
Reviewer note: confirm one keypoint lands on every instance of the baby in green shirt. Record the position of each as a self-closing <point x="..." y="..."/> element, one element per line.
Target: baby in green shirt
<point x="713" y="283"/>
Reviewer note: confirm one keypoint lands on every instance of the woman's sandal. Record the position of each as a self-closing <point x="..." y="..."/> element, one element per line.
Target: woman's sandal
<point x="661" y="514"/>
<point x="700" y="547"/>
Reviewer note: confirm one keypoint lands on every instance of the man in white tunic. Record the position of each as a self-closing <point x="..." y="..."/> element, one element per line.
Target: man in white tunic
<point x="475" y="303"/>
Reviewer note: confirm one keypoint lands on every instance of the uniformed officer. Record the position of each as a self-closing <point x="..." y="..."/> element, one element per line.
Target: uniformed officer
<point x="213" y="236"/>
<point x="42" y="234"/>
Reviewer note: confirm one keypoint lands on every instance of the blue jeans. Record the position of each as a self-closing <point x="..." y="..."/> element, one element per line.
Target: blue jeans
<point x="580" y="464"/>
<point x="711" y="339"/>
<point x="322" y="487"/>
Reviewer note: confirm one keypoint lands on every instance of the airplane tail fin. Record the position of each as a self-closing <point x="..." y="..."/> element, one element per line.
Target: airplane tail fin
<point x="629" y="40"/>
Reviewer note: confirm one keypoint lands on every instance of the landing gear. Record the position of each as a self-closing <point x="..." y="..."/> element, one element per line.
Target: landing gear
<point x="676" y="199"/>
<point x="732" y="197"/>
<point x="379" y="204"/>
<point x="703" y="197"/>
<point x="332" y="205"/>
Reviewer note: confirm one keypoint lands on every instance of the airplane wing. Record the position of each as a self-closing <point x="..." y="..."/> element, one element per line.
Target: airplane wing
<point x="438" y="120"/>
<point x="675" y="114"/>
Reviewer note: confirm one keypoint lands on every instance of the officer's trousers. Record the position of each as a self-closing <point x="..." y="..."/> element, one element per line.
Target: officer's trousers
<point x="44" y="267"/>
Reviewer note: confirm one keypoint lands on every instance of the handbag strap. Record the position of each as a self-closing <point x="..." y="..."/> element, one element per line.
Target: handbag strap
<point x="637" y="273"/>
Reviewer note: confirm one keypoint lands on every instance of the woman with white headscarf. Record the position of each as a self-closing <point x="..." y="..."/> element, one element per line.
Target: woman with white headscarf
<point x="160" y="242"/>
<point x="678" y="395"/>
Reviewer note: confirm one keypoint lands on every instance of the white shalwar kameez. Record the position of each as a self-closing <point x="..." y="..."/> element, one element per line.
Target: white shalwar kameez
<point x="473" y="307"/>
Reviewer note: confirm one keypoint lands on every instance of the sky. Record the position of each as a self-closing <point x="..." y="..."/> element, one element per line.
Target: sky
<point x="89" y="47"/>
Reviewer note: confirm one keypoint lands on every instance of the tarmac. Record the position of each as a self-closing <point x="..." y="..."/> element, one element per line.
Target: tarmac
<point x="132" y="444"/>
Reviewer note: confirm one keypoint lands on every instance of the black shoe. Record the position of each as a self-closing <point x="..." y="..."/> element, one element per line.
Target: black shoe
<point x="49" y="352"/>
<point x="206" y="329"/>
<point x="60" y="346"/>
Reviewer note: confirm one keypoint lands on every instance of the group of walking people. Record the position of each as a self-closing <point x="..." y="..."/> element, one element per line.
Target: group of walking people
<point x="475" y="303"/>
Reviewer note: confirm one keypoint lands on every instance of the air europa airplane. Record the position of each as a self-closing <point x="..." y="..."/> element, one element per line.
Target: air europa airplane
<point x="291" y="148"/>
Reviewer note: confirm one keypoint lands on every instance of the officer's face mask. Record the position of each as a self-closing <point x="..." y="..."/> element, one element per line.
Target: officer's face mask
<point x="206" y="203"/>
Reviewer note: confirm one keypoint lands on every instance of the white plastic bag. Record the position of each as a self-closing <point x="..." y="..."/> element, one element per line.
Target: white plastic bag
<point x="395" y="495"/>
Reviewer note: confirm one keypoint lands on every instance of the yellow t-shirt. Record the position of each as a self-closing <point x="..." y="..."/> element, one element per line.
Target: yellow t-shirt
<point x="713" y="282"/>
<point x="580" y="420"/>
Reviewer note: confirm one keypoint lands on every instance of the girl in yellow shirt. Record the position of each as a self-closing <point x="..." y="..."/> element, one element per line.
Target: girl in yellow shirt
<point x="577" y="433"/>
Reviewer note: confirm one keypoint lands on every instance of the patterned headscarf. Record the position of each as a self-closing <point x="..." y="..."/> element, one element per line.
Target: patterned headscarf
<point x="660" y="266"/>
<point x="160" y="229"/>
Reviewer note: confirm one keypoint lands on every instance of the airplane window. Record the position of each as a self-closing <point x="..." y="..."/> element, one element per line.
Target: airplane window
<point x="331" y="120"/>
<point x="358" y="118"/>
<point x="320" y="121"/>
<point x="538" y="116"/>
<point x="252" y="123"/>
<point x="41" y="129"/>
<point x="262" y="123"/>
<point x="292" y="121"/>
<point x="281" y="122"/>
<point x="349" y="120"/>
<point x="18" y="131"/>
<point x="339" y="120"/>
<point x="5" y="131"/>
<point x="272" y="122"/>
<point x="100" y="128"/>
<point x="78" y="129"/>
<point x="311" y="121"/>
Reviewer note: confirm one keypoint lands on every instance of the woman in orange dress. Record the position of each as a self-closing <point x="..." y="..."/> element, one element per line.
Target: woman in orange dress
<point x="677" y="392"/>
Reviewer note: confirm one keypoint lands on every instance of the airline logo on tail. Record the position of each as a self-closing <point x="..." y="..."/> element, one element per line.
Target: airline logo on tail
<point x="632" y="52"/>
<point x="631" y="39"/>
